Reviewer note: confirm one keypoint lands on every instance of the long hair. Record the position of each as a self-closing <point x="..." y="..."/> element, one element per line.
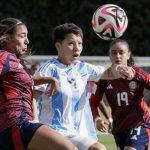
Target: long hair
<point x="7" y="26"/>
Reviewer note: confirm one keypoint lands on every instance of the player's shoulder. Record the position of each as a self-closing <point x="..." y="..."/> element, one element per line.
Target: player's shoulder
<point x="51" y="62"/>
<point x="140" y="71"/>
<point x="5" y="56"/>
<point x="4" y="53"/>
<point x="92" y="67"/>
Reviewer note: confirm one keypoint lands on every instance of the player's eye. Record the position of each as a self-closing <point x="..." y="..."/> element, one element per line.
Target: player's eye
<point x="21" y="35"/>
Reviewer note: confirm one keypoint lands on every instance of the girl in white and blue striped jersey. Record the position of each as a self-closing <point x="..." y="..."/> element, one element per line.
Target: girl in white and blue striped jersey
<point x="68" y="111"/>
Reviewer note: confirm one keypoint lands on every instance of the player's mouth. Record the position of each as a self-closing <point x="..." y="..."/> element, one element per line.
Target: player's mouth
<point x="118" y="62"/>
<point x="24" y="49"/>
<point x="75" y="56"/>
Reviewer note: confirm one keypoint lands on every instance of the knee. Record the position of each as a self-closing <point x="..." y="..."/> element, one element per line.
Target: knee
<point x="97" y="146"/>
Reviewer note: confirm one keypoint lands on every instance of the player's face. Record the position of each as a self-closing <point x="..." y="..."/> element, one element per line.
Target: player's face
<point x="119" y="53"/>
<point x="18" y="41"/>
<point x="69" y="49"/>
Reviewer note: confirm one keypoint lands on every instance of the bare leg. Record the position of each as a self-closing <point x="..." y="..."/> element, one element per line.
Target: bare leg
<point x="97" y="146"/>
<point x="46" y="138"/>
<point x="129" y="148"/>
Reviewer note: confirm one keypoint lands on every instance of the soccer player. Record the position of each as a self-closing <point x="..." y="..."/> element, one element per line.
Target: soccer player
<point x="18" y="131"/>
<point x="131" y="118"/>
<point x="68" y="111"/>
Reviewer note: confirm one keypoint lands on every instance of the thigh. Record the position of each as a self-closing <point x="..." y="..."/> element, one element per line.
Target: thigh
<point x="27" y="135"/>
<point x="82" y="143"/>
<point x="48" y="139"/>
<point x="27" y="130"/>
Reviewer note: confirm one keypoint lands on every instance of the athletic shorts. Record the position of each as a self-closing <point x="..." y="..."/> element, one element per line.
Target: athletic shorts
<point x="82" y="143"/>
<point x="18" y="136"/>
<point x="137" y="138"/>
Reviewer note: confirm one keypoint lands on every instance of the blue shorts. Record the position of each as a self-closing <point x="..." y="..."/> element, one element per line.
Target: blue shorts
<point x="137" y="138"/>
<point x="18" y="136"/>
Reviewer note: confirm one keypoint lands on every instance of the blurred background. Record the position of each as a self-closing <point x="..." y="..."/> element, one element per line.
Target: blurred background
<point x="41" y="16"/>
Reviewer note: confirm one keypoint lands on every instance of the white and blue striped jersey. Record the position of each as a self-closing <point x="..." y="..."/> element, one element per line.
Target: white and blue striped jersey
<point x="68" y="111"/>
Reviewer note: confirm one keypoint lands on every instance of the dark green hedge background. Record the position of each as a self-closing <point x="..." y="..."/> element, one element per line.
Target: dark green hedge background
<point x="41" y="16"/>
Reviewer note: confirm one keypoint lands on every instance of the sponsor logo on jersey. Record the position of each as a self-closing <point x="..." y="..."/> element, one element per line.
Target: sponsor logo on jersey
<point x="109" y="87"/>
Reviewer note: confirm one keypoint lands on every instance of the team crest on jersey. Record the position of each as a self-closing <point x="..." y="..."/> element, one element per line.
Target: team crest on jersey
<point x="132" y="85"/>
<point x="63" y="74"/>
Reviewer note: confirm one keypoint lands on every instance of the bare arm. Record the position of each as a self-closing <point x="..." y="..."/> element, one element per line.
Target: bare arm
<point x="43" y="80"/>
<point x="95" y="103"/>
<point x="103" y="109"/>
<point x="36" y="95"/>
<point x="35" y="110"/>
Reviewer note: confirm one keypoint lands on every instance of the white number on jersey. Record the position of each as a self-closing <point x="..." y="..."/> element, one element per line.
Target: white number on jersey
<point x="122" y="97"/>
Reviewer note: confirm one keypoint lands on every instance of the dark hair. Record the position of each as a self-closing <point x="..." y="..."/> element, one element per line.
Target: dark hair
<point x="130" y="60"/>
<point x="7" y="26"/>
<point x="60" y="32"/>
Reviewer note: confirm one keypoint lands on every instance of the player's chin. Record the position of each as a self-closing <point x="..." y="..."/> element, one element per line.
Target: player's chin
<point x="118" y="62"/>
<point x="75" y="58"/>
<point x="23" y="53"/>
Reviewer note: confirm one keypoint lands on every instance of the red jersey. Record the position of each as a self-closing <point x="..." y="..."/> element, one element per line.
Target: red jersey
<point x="15" y="90"/>
<point x="126" y="100"/>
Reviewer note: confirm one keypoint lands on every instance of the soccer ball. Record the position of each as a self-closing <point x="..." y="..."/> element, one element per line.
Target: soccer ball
<point x="109" y="22"/>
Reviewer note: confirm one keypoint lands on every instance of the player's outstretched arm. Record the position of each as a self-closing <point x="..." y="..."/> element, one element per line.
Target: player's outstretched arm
<point x="43" y="80"/>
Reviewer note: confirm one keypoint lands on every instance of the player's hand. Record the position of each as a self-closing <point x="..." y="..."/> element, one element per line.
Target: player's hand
<point x="102" y="126"/>
<point x="110" y="127"/>
<point x="123" y="71"/>
<point x="54" y="88"/>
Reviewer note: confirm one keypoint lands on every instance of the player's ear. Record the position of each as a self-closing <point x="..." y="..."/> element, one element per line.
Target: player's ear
<point x="57" y="45"/>
<point x="4" y="38"/>
<point x="129" y="55"/>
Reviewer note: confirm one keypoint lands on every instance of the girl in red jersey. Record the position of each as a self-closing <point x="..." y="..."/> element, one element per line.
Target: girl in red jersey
<point x="131" y="118"/>
<point x="18" y="131"/>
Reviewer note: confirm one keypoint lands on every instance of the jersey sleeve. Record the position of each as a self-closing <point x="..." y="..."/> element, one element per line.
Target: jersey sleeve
<point x="95" y="72"/>
<point x="143" y="76"/>
<point x="95" y="100"/>
<point x="43" y="71"/>
<point x="4" y="63"/>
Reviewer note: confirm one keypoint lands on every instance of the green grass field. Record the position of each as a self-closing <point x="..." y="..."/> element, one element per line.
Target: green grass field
<point x="108" y="141"/>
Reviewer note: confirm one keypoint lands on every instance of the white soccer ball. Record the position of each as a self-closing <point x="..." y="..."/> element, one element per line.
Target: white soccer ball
<point x="109" y="21"/>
